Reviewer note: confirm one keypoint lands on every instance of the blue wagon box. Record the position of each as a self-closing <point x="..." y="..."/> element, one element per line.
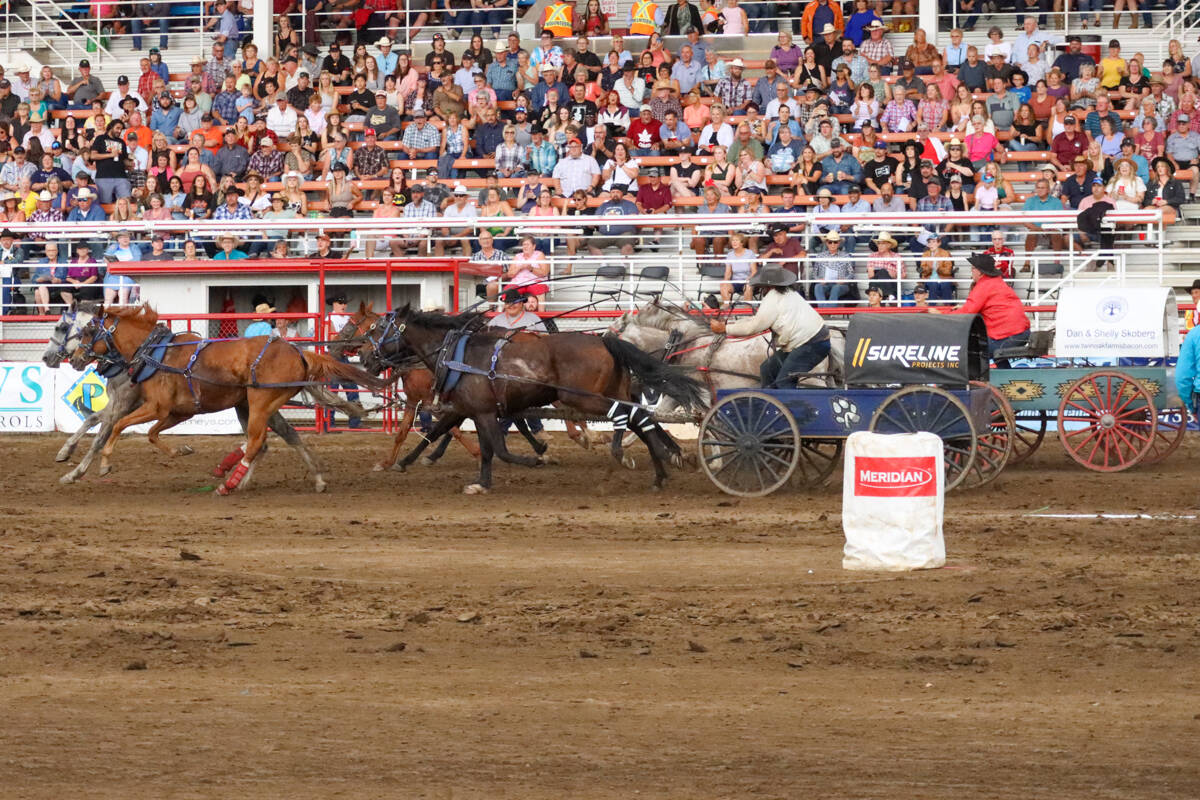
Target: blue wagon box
<point x="902" y="349"/>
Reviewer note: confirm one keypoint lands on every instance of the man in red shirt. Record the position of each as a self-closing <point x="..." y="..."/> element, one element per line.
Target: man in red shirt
<point x="654" y="197"/>
<point x="993" y="299"/>
<point x="1068" y="144"/>
<point x="1002" y="254"/>
<point x="644" y="134"/>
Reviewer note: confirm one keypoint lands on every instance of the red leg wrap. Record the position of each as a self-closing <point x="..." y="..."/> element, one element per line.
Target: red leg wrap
<point x="234" y="479"/>
<point x="228" y="462"/>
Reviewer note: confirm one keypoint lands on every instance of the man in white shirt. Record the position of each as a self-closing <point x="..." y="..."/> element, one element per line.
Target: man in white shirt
<point x="281" y="119"/>
<point x="783" y="97"/>
<point x="461" y="208"/>
<point x="38" y="130"/>
<point x="516" y="315"/>
<point x="113" y="106"/>
<point x="576" y="171"/>
<point x="1031" y="34"/>
<point x="21" y="82"/>
<point x="801" y="338"/>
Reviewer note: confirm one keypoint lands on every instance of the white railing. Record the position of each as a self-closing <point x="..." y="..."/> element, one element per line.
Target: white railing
<point x="47" y="19"/>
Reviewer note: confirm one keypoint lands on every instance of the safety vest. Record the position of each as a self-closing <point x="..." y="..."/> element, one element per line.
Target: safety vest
<point x="708" y="16"/>
<point x="558" y="19"/>
<point x="1189" y="320"/>
<point x="643" y="18"/>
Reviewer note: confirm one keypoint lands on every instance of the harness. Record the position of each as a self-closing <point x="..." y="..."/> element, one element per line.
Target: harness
<point x="111" y="363"/>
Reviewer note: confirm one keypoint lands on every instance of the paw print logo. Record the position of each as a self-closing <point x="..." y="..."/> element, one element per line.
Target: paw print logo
<point x="845" y="412"/>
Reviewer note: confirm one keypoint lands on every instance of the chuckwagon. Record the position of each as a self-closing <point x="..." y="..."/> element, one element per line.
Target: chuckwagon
<point x="1108" y="388"/>
<point x="903" y="374"/>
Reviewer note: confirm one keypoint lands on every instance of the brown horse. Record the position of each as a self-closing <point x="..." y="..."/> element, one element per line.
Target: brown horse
<point x="194" y="377"/>
<point x="506" y="373"/>
<point x="417" y="381"/>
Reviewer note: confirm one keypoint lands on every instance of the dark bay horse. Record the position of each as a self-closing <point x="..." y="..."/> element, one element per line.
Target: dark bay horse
<point x="195" y="377"/>
<point x="124" y="396"/>
<point x="506" y="373"/>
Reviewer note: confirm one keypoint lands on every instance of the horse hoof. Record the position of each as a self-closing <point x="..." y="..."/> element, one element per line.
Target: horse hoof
<point x="584" y="441"/>
<point x="656" y="488"/>
<point x="62" y="456"/>
<point x="399" y="467"/>
<point x="223" y="490"/>
<point x="104" y="470"/>
<point x="474" y="488"/>
<point x="677" y="460"/>
<point x="628" y="462"/>
<point x="426" y="461"/>
<point x="548" y="459"/>
<point x="320" y="486"/>
<point x="380" y="467"/>
<point x="186" y="450"/>
<point x="68" y="479"/>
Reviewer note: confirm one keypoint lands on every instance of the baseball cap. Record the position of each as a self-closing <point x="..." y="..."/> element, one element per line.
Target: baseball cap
<point x="1097" y="181"/>
<point x="461" y="190"/>
<point x="1182" y="118"/>
<point x="265" y="141"/>
<point x="837" y="143"/>
<point x="652" y="172"/>
<point x="881" y="145"/>
<point x="574" y="140"/>
<point x="906" y="64"/>
<point x="420" y="112"/>
<point x="84" y="63"/>
<point x="369" y="132"/>
<point x="645" y="107"/>
<point x="417" y="187"/>
<point x="123" y="80"/>
<point x="1069" y="119"/>
<point x="920" y="288"/>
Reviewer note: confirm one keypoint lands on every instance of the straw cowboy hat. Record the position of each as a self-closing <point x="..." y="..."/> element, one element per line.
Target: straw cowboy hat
<point x="264" y="308"/>
<point x="832" y="236"/>
<point x="884" y="236"/>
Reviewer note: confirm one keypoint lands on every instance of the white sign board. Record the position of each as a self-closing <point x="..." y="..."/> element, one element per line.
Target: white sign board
<point x="26" y="397"/>
<point x="76" y="395"/>
<point x="1113" y="322"/>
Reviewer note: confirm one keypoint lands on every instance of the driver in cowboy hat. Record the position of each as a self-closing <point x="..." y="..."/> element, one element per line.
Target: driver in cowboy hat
<point x="801" y="338"/>
<point x="993" y="299"/>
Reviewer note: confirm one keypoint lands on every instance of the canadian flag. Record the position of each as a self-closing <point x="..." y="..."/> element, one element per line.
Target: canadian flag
<point x="934" y="150"/>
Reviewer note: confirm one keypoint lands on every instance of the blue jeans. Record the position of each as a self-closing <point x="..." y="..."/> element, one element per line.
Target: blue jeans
<point x="1000" y="344"/>
<point x="781" y="369"/>
<point x="138" y="25"/>
<point x="828" y="294"/>
<point x="351" y="395"/>
<point x="940" y="291"/>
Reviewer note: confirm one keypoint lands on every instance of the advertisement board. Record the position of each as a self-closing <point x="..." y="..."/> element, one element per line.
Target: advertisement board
<point x="886" y="349"/>
<point x="1111" y="322"/>
<point x="26" y="397"/>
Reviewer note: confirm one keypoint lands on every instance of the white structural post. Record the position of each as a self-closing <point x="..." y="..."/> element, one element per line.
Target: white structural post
<point x="264" y="29"/>
<point x="927" y="18"/>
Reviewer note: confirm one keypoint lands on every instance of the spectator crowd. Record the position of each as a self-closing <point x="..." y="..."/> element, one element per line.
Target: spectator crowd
<point x="850" y="114"/>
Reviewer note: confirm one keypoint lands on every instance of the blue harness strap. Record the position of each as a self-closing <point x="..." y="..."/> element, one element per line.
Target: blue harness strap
<point x="454" y="366"/>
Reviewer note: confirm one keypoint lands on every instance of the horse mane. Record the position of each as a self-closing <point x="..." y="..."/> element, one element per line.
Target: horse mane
<point x="445" y="322"/>
<point x="143" y="313"/>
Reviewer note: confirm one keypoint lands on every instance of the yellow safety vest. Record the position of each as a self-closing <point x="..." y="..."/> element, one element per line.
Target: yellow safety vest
<point x="643" y="18"/>
<point x="558" y="19"/>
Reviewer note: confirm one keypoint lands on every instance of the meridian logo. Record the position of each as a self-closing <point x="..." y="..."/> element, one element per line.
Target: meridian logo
<point x="895" y="477"/>
<point x="906" y="354"/>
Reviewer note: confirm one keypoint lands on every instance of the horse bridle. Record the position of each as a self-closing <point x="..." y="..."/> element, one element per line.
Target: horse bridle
<point x="102" y="333"/>
<point x="68" y="318"/>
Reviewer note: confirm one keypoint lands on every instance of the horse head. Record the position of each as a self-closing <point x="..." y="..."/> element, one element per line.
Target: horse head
<point x="64" y="339"/>
<point x="354" y="331"/>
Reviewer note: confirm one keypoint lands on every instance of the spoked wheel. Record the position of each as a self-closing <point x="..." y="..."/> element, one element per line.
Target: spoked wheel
<point x="936" y="411"/>
<point x="995" y="443"/>
<point x="749" y="444"/>
<point x="1168" y="434"/>
<point x="1028" y="433"/>
<point x="818" y="459"/>
<point x="1106" y="421"/>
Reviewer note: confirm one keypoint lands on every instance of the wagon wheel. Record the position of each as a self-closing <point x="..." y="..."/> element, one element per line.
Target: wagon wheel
<point x="1168" y="434"/>
<point x="1028" y="433"/>
<point x="1112" y="430"/>
<point x="818" y="459"/>
<point x="928" y="408"/>
<point x="995" y="443"/>
<point x="749" y="444"/>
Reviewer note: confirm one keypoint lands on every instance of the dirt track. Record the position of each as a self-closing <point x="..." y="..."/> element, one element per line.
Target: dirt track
<point x="574" y="635"/>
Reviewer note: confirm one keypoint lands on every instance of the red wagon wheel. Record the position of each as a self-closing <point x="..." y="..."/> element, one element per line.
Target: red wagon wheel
<point x="1103" y="421"/>
<point x="1168" y="434"/>
<point x="1028" y="432"/>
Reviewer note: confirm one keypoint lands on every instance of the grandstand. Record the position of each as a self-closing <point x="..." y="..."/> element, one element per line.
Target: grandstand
<point x="1140" y="240"/>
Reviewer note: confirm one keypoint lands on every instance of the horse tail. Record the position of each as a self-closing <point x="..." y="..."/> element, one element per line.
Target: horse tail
<point x="670" y="380"/>
<point x="324" y="368"/>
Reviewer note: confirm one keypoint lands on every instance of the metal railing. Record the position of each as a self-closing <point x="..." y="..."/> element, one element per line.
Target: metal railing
<point x="50" y="28"/>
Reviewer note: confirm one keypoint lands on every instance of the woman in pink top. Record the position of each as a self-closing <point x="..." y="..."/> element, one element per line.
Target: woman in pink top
<point x="527" y="271"/>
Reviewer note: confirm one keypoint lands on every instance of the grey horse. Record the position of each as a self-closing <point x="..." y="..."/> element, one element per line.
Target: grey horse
<point x="124" y="396"/>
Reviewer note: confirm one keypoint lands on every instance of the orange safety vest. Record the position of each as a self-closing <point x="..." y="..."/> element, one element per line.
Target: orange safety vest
<point x="1189" y="319"/>
<point x="558" y="19"/>
<point x="643" y="18"/>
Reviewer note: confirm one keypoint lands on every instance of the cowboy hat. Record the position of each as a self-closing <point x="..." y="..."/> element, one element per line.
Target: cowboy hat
<point x="773" y="275"/>
<point x="832" y="236"/>
<point x="984" y="263"/>
<point x="884" y="236"/>
<point x="263" y="308"/>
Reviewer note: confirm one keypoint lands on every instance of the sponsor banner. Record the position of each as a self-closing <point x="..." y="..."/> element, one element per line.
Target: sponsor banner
<point x="1114" y="322"/>
<point x="903" y="349"/>
<point x="26" y="397"/>
<point x="895" y="477"/>
<point x="76" y="395"/>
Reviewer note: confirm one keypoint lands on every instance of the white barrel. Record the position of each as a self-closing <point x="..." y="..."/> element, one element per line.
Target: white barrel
<point x="893" y="502"/>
